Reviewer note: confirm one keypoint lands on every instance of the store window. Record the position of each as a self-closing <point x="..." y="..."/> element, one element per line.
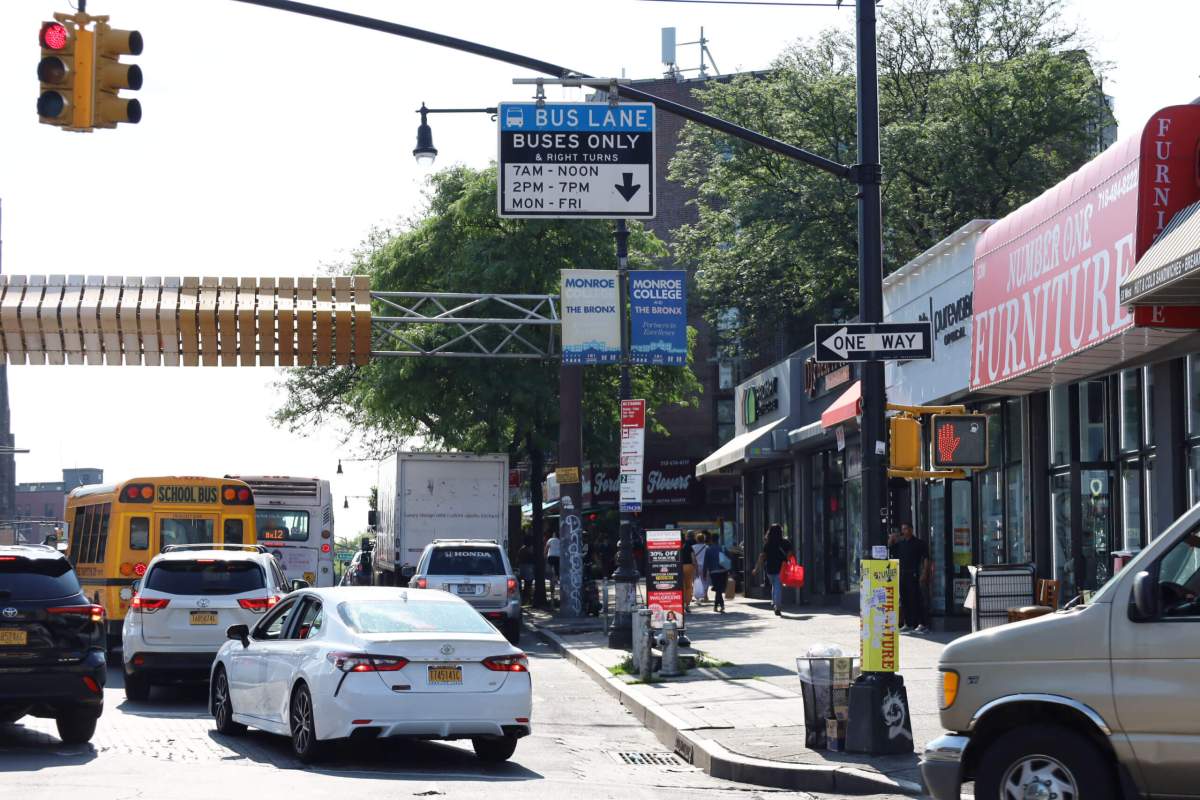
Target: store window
<point x="1002" y="487"/>
<point x="725" y="420"/>
<point x="1060" y="425"/>
<point x="1136" y="438"/>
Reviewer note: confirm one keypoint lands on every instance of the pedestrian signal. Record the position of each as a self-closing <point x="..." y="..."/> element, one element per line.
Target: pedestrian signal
<point x="959" y="440"/>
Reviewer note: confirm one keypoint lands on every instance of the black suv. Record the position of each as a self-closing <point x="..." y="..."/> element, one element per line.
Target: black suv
<point x="52" y="642"/>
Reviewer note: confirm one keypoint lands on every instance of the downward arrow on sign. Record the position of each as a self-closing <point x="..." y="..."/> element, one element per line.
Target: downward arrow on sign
<point x="627" y="189"/>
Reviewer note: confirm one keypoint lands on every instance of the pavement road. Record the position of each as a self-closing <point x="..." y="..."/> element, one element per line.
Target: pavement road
<point x="167" y="749"/>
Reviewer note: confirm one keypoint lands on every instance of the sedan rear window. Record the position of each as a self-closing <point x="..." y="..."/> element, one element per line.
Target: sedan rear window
<point x="205" y="576"/>
<point x="466" y="561"/>
<point x="36" y="578"/>
<point x="399" y="616"/>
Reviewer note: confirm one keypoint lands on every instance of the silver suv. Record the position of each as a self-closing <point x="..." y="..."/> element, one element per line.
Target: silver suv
<point x="188" y="597"/>
<point x="478" y="571"/>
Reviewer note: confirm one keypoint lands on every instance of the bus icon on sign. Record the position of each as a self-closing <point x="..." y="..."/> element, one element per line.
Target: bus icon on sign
<point x="514" y="118"/>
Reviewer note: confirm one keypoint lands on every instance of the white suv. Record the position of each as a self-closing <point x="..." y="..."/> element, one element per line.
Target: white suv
<point x="188" y="597"/>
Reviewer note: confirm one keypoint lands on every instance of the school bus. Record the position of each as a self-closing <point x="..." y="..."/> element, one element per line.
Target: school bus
<point x="113" y="530"/>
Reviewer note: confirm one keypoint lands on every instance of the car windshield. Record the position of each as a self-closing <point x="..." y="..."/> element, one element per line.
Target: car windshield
<point x="466" y="561"/>
<point x="36" y="578"/>
<point x="205" y="576"/>
<point x="403" y="616"/>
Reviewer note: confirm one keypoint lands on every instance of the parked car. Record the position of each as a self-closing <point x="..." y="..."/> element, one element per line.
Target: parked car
<point x="371" y="662"/>
<point x="52" y="641"/>
<point x="1097" y="701"/>
<point x="479" y="572"/>
<point x="189" y="595"/>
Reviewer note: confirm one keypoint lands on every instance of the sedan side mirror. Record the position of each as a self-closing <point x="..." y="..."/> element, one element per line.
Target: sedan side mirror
<point x="240" y="633"/>
<point x="1145" y="597"/>
<point x="297" y="584"/>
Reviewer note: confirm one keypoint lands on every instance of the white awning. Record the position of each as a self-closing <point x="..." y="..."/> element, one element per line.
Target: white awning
<point x="758" y="442"/>
<point x="1166" y="274"/>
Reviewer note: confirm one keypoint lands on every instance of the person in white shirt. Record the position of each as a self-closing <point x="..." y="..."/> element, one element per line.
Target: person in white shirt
<point x="553" y="553"/>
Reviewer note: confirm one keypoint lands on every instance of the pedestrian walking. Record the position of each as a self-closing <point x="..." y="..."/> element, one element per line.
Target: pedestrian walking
<point x="687" y="562"/>
<point x="915" y="570"/>
<point x="553" y="552"/>
<point x="700" y="551"/>
<point x="716" y="571"/>
<point x="772" y="558"/>
<point x="526" y="559"/>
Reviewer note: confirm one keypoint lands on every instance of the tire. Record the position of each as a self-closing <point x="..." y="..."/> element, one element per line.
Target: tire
<point x="1044" y="753"/>
<point x="512" y="631"/>
<point x="76" y="727"/>
<point x="137" y="688"/>
<point x="303" y="725"/>
<point x="222" y="706"/>
<point x="494" y="749"/>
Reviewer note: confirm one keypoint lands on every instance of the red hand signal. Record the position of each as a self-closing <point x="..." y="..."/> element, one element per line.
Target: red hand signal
<point x="947" y="442"/>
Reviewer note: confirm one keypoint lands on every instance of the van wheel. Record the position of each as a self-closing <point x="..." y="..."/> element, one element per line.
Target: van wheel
<point x="1043" y="761"/>
<point x="76" y="727"/>
<point x="137" y="688"/>
<point x="494" y="749"/>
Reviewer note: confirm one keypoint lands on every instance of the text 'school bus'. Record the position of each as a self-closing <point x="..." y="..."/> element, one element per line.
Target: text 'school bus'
<point x="295" y="520"/>
<point x="113" y="530"/>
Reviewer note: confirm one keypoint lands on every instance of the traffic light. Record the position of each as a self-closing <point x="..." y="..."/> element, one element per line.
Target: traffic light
<point x="112" y="75"/>
<point x="959" y="440"/>
<point x="904" y="434"/>
<point x="65" y="75"/>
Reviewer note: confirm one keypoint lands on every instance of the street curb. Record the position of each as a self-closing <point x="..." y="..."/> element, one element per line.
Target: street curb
<point x="714" y="758"/>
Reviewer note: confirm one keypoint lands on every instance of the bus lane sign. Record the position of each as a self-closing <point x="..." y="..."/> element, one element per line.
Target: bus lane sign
<point x="576" y="160"/>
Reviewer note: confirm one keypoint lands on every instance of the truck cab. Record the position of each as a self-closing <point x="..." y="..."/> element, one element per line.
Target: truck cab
<point x="1096" y="701"/>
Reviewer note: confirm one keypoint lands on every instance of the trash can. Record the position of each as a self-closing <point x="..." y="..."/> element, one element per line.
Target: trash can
<point x="826" y="674"/>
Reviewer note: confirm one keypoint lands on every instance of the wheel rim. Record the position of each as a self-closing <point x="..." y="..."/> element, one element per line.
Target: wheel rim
<point x="221" y="700"/>
<point x="302" y="722"/>
<point x="1038" y="777"/>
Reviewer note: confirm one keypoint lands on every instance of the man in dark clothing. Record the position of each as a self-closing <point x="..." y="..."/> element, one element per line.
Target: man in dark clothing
<point x="915" y="566"/>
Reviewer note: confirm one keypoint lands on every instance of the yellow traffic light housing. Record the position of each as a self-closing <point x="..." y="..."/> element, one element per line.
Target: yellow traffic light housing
<point x="65" y="74"/>
<point x="904" y="442"/>
<point x="111" y="76"/>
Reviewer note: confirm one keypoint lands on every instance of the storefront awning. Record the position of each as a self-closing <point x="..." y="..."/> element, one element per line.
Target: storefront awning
<point x="753" y="443"/>
<point x="1169" y="273"/>
<point x="846" y="407"/>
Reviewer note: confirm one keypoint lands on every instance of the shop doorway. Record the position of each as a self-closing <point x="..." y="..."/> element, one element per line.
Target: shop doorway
<point x="950" y="508"/>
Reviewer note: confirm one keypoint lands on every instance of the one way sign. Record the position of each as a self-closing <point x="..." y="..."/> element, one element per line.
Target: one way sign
<point x="880" y="341"/>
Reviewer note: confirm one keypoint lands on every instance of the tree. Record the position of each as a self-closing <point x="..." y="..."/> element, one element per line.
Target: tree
<point x="459" y="245"/>
<point x="983" y="105"/>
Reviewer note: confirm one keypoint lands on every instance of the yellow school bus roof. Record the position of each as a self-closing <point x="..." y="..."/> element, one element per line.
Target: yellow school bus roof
<point x="116" y="489"/>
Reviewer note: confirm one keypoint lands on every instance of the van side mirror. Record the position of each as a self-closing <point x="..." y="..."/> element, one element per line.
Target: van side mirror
<point x="372" y="518"/>
<point x="1145" y="604"/>
<point x="240" y="633"/>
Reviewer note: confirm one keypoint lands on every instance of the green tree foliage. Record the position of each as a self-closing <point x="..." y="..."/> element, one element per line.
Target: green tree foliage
<point x="983" y="105"/>
<point x="468" y="404"/>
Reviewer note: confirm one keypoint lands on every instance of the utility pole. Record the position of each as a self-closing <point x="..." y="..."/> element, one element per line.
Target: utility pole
<point x="626" y="575"/>
<point x="570" y="488"/>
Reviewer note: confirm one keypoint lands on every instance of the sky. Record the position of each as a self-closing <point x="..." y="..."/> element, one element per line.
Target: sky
<point x="272" y="144"/>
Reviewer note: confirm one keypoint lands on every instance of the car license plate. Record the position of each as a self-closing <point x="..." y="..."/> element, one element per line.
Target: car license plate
<point x="204" y="618"/>
<point x="445" y="676"/>
<point x="13" y="637"/>
<point x="465" y="588"/>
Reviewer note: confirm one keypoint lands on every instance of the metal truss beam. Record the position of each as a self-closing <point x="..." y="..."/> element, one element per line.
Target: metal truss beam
<point x="464" y="325"/>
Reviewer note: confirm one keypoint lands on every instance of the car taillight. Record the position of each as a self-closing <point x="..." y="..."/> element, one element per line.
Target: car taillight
<point x="365" y="662"/>
<point x="258" y="604"/>
<point x="93" y="612"/>
<point x="512" y="586"/>
<point x="422" y="583"/>
<point x="147" y="605"/>
<point x="517" y="663"/>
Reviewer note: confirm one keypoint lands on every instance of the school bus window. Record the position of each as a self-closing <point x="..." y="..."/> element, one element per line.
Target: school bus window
<point x="139" y="533"/>
<point x="87" y="553"/>
<point x="233" y="531"/>
<point x="185" y="531"/>
<point x="76" y="535"/>
<point x="102" y="546"/>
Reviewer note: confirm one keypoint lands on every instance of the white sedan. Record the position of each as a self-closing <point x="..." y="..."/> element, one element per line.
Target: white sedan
<point x="372" y="662"/>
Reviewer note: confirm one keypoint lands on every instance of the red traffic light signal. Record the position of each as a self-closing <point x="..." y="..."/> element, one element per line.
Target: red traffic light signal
<point x="54" y="36"/>
<point x="959" y="441"/>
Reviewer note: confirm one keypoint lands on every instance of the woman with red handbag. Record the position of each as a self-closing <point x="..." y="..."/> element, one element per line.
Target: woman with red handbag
<point x="772" y="558"/>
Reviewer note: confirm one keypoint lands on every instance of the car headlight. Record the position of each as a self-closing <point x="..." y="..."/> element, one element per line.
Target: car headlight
<point x="947" y="688"/>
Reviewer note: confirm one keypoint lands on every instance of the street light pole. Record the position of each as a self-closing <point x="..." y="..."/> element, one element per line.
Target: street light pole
<point x="620" y="634"/>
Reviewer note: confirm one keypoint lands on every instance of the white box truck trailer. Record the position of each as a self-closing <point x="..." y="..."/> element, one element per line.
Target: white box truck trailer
<point x="427" y="496"/>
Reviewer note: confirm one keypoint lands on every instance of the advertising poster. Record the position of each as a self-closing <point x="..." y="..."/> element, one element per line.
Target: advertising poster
<point x="633" y="447"/>
<point x="664" y="583"/>
<point x="591" y="325"/>
<point x="879" y="615"/>
<point x="658" y="317"/>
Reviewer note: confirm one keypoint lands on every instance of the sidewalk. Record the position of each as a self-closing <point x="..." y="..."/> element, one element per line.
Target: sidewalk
<point x="743" y="717"/>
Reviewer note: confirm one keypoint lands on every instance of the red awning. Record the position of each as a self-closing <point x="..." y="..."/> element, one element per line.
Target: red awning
<point x="846" y="407"/>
